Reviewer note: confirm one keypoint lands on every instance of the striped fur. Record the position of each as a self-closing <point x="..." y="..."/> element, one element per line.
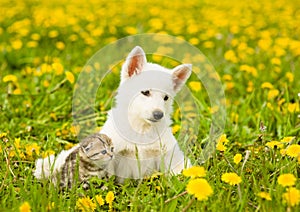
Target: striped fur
<point x="78" y="164"/>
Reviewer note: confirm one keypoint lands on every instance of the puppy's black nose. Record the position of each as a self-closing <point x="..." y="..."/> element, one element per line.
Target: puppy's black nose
<point x="157" y="114"/>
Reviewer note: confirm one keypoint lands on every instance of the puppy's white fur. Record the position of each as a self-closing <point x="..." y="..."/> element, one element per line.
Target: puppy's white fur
<point x="134" y="157"/>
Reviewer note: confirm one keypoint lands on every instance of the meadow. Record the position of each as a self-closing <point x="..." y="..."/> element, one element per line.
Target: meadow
<point x="254" y="47"/>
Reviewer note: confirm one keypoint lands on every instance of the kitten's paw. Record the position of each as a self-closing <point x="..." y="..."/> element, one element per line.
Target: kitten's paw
<point x="85" y="185"/>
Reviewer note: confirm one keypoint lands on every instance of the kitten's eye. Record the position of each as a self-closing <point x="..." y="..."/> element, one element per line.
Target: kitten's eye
<point x="166" y="98"/>
<point x="103" y="152"/>
<point x="112" y="149"/>
<point x="146" y="93"/>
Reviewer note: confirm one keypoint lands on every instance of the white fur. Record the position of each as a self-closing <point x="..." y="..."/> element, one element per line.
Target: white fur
<point x="49" y="166"/>
<point x="134" y="157"/>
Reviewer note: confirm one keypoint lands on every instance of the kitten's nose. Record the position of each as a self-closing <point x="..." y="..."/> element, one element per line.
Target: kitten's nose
<point x="157" y="114"/>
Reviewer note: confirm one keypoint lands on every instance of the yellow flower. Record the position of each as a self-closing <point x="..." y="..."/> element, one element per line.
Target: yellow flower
<point x="292" y="196"/>
<point x="293" y="107"/>
<point x="10" y="78"/>
<point x="53" y="34"/>
<point x="264" y="195"/>
<point x="99" y="200"/>
<point x="69" y="145"/>
<point x="276" y="61"/>
<point x="2" y="135"/>
<point x="230" y="56"/>
<point x="272" y="144"/>
<point x="195" y="171"/>
<point x="58" y="68"/>
<point x="30" y="148"/>
<point x="221" y="143"/>
<point x="287" y="180"/>
<point x="17" y="91"/>
<point x="175" y="128"/>
<point x="17" y="44"/>
<point x="85" y="204"/>
<point x="70" y="77"/>
<point x="287" y="139"/>
<point x="231" y="178"/>
<point x="273" y="93"/>
<point x="25" y="207"/>
<point x="227" y="77"/>
<point x="195" y="86"/>
<point x="223" y="139"/>
<point x="267" y="85"/>
<point x="289" y="76"/>
<point x="32" y="44"/>
<point x="110" y="197"/>
<point x="221" y="147"/>
<point x="229" y="85"/>
<point x="47" y="153"/>
<point x="50" y="206"/>
<point x="200" y="188"/>
<point x="60" y="45"/>
<point x="75" y="129"/>
<point x="283" y="152"/>
<point x="237" y="158"/>
<point x="293" y="150"/>
<point x="17" y="144"/>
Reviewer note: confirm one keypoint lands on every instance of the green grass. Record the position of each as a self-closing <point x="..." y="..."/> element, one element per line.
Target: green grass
<point x="36" y="108"/>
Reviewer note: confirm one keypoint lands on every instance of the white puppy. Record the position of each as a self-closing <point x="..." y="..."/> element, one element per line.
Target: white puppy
<point x="139" y="123"/>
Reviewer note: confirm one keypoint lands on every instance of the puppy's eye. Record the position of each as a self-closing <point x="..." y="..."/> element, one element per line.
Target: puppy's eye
<point x="146" y="93"/>
<point x="103" y="152"/>
<point x="166" y="98"/>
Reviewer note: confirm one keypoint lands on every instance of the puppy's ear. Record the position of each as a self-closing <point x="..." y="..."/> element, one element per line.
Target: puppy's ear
<point x="134" y="63"/>
<point x="180" y="74"/>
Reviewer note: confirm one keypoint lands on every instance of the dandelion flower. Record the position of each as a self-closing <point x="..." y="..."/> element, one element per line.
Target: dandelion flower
<point x="273" y="144"/>
<point x="85" y="204"/>
<point x="264" y="195"/>
<point x="195" y="86"/>
<point x="231" y="178"/>
<point x="267" y="85"/>
<point x="287" y="180"/>
<point x="110" y="197"/>
<point x="195" y="171"/>
<point x="293" y="150"/>
<point x="70" y="77"/>
<point x="293" y="107"/>
<point x="287" y="139"/>
<point x="17" y="44"/>
<point x="223" y="139"/>
<point x="292" y="196"/>
<point x="25" y="207"/>
<point x="60" y="45"/>
<point x="273" y="93"/>
<point x="175" y="128"/>
<point x="10" y="78"/>
<point x="99" y="200"/>
<point x="200" y="188"/>
<point x="3" y="135"/>
<point x="220" y="146"/>
<point x="237" y="158"/>
<point x="30" y="148"/>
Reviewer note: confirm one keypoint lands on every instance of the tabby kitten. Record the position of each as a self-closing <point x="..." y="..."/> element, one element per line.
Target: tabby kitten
<point x="89" y="158"/>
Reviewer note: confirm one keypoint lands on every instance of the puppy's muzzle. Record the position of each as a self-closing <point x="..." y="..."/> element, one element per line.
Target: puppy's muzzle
<point x="157" y="115"/>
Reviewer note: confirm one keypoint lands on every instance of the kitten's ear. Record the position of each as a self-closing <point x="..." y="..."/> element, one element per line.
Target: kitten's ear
<point x="180" y="74"/>
<point x="87" y="147"/>
<point x="134" y="63"/>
